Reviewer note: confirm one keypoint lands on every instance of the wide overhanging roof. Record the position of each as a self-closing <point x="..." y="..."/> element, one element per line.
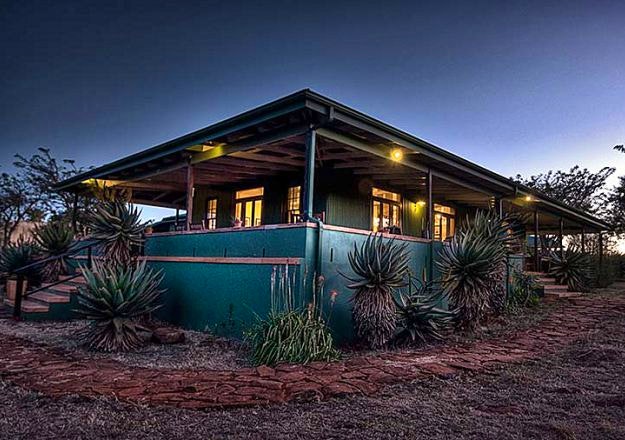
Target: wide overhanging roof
<point x="289" y="118"/>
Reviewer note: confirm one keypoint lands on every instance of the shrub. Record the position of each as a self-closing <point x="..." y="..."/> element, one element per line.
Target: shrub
<point x="54" y="239"/>
<point x="379" y="267"/>
<point x="573" y="269"/>
<point x="296" y="336"/>
<point x="419" y="316"/>
<point x="473" y="267"/>
<point x="290" y="334"/>
<point x="119" y="226"/>
<point x="15" y="256"/>
<point x="523" y="291"/>
<point x="114" y="298"/>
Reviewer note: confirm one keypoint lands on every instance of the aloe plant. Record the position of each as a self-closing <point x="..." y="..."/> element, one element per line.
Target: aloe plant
<point x="473" y="267"/>
<point x="54" y="239"/>
<point x="113" y="299"/>
<point x="18" y="255"/>
<point x="118" y="225"/>
<point x="573" y="269"/>
<point x="379" y="267"/>
<point x="420" y="318"/>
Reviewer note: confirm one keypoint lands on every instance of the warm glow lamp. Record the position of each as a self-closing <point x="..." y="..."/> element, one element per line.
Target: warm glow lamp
<point x="397" y="154"/>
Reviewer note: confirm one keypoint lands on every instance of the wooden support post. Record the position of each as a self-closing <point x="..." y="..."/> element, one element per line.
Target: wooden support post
<point x="561" y="238"/>
<point x="17" y="304"/>
<point x="75" y="213"/>
<point x="309" y="174"/>
<point x="583" y="241"/>
<point x="177" y="218"/>
<point x="430" y="232"/>
<point x="190" y="186"/>
<point x="500" y="207"/>
<point x="600" y="251"/>
<point x="430" y="206"/>
<point x="536" y="256"/>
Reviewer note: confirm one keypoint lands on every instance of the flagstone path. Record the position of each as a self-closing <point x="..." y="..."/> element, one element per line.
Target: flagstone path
<point x="57" y="373"/>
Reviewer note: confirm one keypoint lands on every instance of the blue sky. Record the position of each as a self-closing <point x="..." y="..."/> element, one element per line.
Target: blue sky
<point x="524" y="88"/>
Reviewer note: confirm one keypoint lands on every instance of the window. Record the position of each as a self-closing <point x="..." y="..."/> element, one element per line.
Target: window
<point x="249" y="206"/>
<point x="211" y="214"/>
<point x="386" y="210"/>
<point x="293" y="204"/>
<point x="444" y="222"/>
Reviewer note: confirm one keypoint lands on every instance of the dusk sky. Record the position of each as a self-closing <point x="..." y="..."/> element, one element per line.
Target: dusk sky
<point x="519" y="89"/>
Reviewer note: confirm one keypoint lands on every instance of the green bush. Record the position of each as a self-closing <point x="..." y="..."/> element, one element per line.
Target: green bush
<point x="114" y="299"/>
<point x="295" y="336"/>
<point x="380" y="266"/>
<point x="523" y="291"/>
<point x="54" y="239"/>
<point x="290" y="334"/>
<point x="419" y="316"/>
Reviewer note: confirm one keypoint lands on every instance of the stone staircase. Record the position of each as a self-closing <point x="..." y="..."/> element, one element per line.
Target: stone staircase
<point x="554" y="291"/>
<point x="53" y="302"/>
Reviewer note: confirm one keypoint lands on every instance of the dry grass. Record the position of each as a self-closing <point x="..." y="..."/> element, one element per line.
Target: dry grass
<point x="577" y="394"/>
<point x="200" y="351"/>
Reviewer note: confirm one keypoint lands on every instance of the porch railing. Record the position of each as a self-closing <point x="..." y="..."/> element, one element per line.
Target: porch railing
<point x="22" y="271"/>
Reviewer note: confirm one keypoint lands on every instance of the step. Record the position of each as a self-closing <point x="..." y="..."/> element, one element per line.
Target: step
<point x="555" y="287"/>
<point x="545" y="280"/>
<point x="50" y="297"/>
<point x="65" y="288"/>
<point x="78" y="280"/>
<point x="553" y="296"/>
<point x="29" y="306"/>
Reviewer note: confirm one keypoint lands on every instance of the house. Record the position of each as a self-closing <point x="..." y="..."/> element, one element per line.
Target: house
<point x="296" y="183"/>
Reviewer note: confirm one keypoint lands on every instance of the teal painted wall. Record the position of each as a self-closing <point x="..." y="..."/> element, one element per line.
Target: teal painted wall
<point x="287" y="242"/>
<point x="222" y="298"/>
<point x="227" y="297"/>
<point x="335" y="248"/>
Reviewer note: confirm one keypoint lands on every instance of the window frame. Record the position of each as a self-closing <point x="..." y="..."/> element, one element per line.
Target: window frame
<point x="450" y="218"/>
<point x="386" y="201"/>
<point x="253" y="199"/>
<point x="210" y="222"/>
<point x="293" y="214"/>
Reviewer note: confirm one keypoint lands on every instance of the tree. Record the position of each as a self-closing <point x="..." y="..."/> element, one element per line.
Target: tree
<point x="18" y="203"/>
<point x="579" y="188"/>
<point x="42" y="172"/>
<point x="28" y="193"/>
<point x="616" y="202"/>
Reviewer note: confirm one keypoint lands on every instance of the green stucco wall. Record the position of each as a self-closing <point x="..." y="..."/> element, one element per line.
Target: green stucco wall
<point x="224" y="297"/>
<point x="336" y="246"/>
<point x="227" y="297"/>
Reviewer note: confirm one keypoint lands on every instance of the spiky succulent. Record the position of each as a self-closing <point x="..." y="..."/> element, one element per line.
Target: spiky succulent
<point x="573" y="269"/>
<point x="54" y="239"/>
<point x="118" y="225"/>
<point x="473" y="268"/>
<point x="420" y="317"/>
<point x="18" y="255"/>
<point x="114" y="298"/>
<point x="380" y="266"/>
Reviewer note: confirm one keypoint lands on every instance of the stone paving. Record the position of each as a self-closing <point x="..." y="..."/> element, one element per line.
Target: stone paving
<point x="56" y="373"/>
